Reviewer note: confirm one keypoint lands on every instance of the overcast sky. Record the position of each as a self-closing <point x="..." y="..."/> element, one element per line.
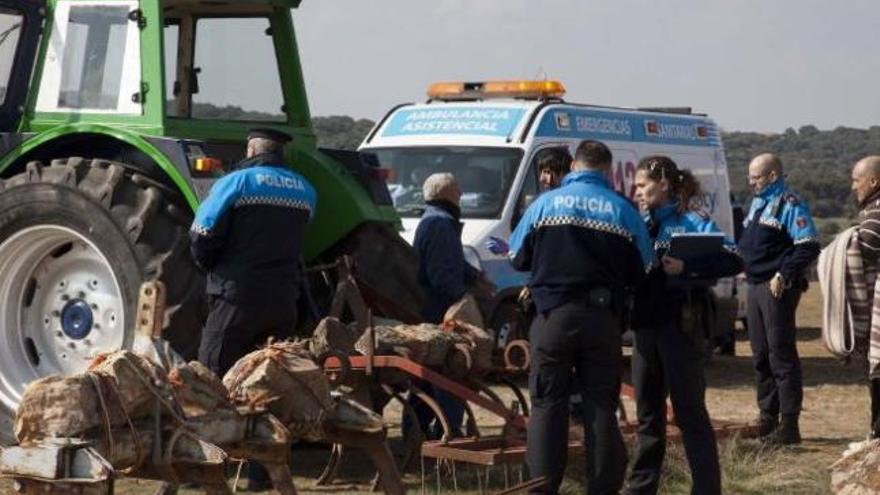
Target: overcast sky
<point x="757" y="65"/>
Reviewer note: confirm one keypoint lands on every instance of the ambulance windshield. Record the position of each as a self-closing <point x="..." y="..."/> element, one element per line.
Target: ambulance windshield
<point x="484" y="175"/>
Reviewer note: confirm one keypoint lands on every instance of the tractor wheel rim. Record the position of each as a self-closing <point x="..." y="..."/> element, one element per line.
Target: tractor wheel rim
<point x="61" y="307"/>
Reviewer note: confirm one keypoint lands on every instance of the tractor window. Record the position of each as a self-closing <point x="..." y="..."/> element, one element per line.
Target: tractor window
<point x="94" y="51"/>
<point x="93" y="59"/>
<point x="172" y="37"/>
<point x="10" y="27"/>
<point x="235" y="71"/>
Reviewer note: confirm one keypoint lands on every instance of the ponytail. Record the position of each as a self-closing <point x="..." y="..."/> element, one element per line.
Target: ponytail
<point x="683" y="186"/>
<point x="688" y="190"/>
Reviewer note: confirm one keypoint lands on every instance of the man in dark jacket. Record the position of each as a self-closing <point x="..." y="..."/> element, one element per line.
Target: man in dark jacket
<point x="445" y="276"/>
<point x="443" y="273"/>
<point x="777" y="245"/>
<point x="866" y="187"/>
<point x="248" y="236"/>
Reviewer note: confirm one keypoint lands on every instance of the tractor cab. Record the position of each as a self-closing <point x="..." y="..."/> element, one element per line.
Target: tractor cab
<point x="193" y="69"/>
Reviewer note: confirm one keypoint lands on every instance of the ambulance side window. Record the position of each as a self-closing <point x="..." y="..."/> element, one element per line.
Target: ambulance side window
<point x="527" y="194"/>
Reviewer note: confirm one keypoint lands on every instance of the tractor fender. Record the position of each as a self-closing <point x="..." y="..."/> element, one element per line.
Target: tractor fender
<point x="53" y="143"/>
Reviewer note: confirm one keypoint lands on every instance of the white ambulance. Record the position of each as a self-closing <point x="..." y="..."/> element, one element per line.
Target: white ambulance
<point x="488" y="133"/>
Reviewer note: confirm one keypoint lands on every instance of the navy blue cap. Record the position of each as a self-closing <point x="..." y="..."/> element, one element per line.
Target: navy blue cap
<point x="271" y="134"/>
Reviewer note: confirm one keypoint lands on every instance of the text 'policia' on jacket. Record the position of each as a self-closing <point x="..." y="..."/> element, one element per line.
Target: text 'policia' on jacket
<point x="248" y="233"/>
<point x="578" y="237"/>
<point x="659" y="299"/>
<point x="779" y="235"/>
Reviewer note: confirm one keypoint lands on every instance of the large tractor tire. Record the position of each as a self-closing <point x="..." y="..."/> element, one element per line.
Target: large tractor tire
<point x="386" y="268"/>
<point x="77" y="239"/>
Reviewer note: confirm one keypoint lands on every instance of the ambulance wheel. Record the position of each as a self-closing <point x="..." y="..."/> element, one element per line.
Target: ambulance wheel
<point x="77" y="239"/>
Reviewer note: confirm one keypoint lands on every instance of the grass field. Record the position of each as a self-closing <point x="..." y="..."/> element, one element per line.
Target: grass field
<point x="835" y="413"/>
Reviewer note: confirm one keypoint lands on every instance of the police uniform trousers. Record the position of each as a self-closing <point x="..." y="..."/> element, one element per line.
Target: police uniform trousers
<point x="234" y="329"/>
<point x="668" y="361"/>
<point x="576" y="348"/>
<point x="772" y="333"/>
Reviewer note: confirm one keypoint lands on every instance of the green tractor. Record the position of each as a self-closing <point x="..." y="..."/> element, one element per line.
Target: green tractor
<point x="113" y="117"/>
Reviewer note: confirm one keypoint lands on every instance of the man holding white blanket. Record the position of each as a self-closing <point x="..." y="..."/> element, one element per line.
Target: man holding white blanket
<point x="851" y="320"/>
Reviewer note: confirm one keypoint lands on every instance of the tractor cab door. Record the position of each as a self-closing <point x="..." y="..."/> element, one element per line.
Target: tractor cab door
<point x="21" y="24"/>
<point x="224" y="74"/>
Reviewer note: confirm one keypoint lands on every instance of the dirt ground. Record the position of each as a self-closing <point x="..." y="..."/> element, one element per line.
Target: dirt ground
<point x="835" y="413"/>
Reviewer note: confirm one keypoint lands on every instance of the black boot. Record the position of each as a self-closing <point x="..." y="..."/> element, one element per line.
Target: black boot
<point x="767" y="425"/>
<point x="727" y="349"/>
<point x="788" y="432"/>
<point x="258" y="478"/>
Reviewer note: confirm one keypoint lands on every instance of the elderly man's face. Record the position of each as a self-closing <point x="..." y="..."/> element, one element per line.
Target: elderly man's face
<point x="454" y="193"/>
<point x="863" y="182"/>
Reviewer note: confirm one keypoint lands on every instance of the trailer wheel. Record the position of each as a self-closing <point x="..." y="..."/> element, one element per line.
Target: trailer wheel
<point x="77" y="238"/>
<point x="508" y="324"/>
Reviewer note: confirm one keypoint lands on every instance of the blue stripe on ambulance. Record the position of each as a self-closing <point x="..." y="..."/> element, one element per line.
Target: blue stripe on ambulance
<point x="568" y="122"/>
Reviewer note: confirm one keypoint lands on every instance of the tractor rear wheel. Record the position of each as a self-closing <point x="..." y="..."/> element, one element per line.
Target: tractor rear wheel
<point x="77" y="239"/>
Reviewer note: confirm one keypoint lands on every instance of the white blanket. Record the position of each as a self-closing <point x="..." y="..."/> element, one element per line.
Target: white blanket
<point x="851" y="307"/>
<point x="838" y="330"/>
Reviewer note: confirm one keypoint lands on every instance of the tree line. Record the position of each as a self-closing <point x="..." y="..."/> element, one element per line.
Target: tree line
<point x="817" y="163"/>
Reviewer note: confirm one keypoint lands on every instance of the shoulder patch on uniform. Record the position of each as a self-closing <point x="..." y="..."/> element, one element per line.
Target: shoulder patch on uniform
<point x="801" y="222"/>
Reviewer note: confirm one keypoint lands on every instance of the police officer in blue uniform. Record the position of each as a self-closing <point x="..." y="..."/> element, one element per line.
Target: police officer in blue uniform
<point x="778" y="243"/>
<point x="248" y="236"/>
<point x="671" y="321"/>
<point x="585" y="246"/>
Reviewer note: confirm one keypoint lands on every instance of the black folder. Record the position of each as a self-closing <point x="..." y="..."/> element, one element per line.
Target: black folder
<point x="690" y="245"/>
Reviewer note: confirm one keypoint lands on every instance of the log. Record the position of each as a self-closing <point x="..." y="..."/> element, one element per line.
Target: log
<point x="333" y="335"/>
<point x="285" y="380"/>
<point x="118" y="387"/>
<point x="857" y="472"/>
<point x="426" y="344"/>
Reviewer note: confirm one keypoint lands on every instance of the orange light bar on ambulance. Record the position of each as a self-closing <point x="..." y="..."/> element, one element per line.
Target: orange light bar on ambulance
<point x="496" y="89"/>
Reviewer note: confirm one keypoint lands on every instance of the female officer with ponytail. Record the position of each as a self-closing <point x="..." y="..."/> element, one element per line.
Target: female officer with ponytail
<point x="670" y="322"/>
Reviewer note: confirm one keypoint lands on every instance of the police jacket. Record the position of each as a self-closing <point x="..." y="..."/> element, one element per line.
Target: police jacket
<point x="248" y="233"/>
<point x="660" y="297"/>
<point x="577" y="237"/>
<point x="779" y="236"/>
<point x="443" y="273"/>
